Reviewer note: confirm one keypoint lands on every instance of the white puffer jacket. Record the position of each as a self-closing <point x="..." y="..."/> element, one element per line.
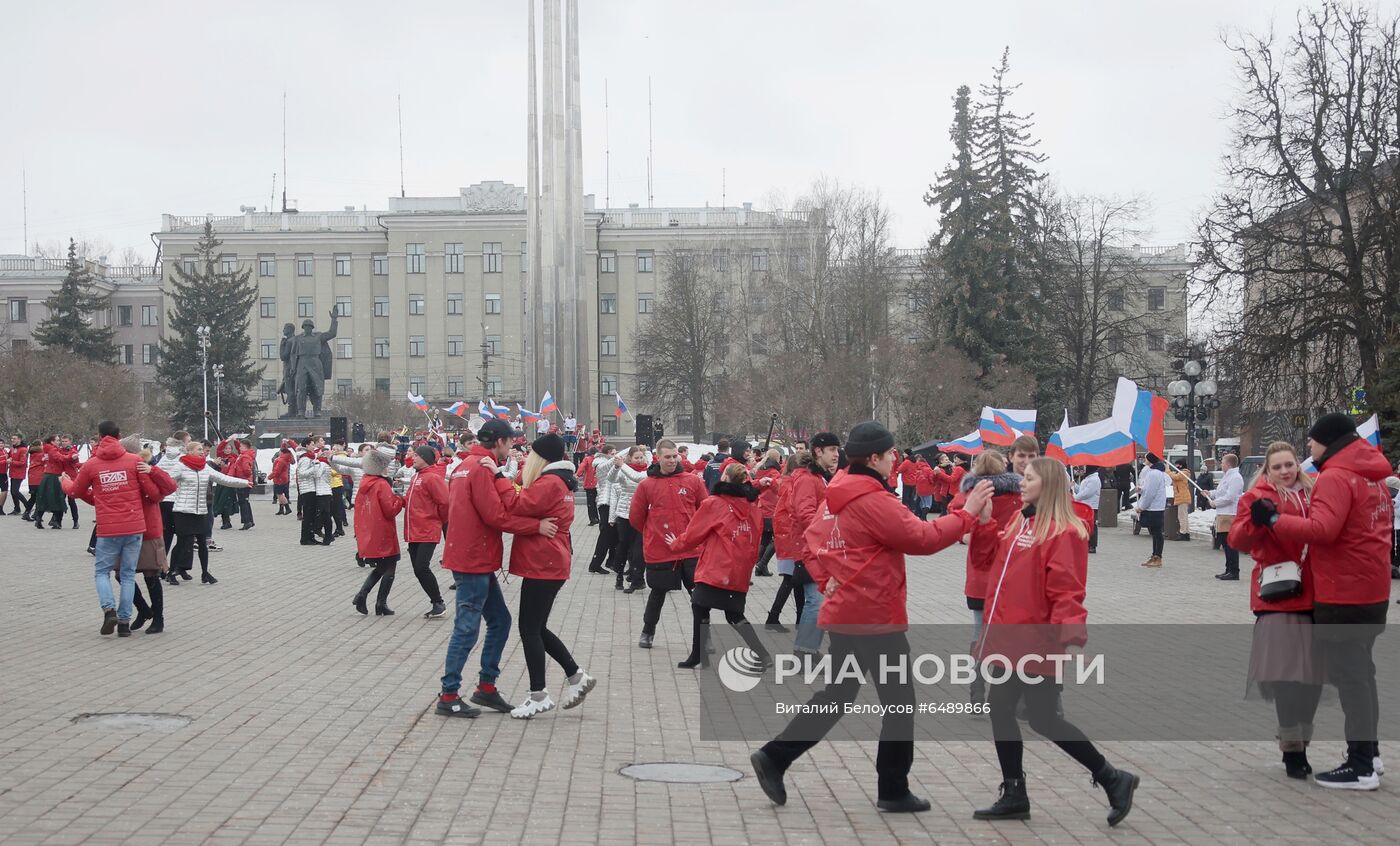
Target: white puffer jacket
<point x="168" y="459"/>
<point x="625" y="481"/>
<point x="313" y="476"/>
<point x="192" y="486"/>
<point x="605" y="474"/>
<point x="354" y="461"/>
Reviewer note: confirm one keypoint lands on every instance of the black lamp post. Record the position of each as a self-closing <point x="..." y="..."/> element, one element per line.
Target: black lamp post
<point x="1193" y="399"/>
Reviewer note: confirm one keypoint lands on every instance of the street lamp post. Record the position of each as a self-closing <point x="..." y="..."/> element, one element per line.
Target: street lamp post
<point x="1193" y="400"/>
<point x="203" y="335"/>
<point x="219" y="397"/>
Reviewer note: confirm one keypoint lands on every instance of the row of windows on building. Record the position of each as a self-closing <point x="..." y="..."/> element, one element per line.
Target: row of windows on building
<point x="418" y="347"/>
<point x="454" y="261"/>
<point x="417" y="305"/>
<point x="121" y="315"/>
<point x="150" y="354"/>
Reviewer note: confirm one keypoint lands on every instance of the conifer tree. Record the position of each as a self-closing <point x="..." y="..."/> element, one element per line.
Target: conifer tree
<point x="224" y="302"/>
<point x="70" y="324"/>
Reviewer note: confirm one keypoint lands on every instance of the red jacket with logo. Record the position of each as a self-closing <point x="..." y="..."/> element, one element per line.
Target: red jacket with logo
<point x="426" y="505"/>
<point x="376" y="530"/>
<point x="859" y="539"/>
<point x="664" y="505"/>
<point x="19" y="458"/>
<point x="551" y="495"/>
<point x="1267" y="547"/>
<point x="799" y="500"/>
<point x="1348" y="526"/>
<point x="726" y="531"/>
<point x="110" y="477"/>
<point x="479" y="510"/>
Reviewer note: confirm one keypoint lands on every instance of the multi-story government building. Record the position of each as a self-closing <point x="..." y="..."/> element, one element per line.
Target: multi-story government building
<point x="432" y="293"/>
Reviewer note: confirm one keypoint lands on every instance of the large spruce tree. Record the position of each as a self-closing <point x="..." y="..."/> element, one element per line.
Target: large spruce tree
<point x="70" y="324"/>
<point x="223" y="302"/>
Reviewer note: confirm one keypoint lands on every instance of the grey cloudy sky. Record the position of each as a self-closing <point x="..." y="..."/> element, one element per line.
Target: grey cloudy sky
<point x="121" y="111"/>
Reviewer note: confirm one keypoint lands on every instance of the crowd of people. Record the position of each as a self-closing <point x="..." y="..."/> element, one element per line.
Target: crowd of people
<point x="825" y="515"/>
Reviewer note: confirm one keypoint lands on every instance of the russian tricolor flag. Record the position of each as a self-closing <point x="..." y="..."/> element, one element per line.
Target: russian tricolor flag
<point x="1104" y="443"/>
<point x="418" y="402"/>
<point x="548" y="405"/>
<point x="526" y="415"/>
<point x="621" y="406"/>
<point x="501" y="411"/>
<point x="1141" y="413"/>
<point x="458" y="408"/>
<point x="969" y="444"/>
<point x="1002" y="426"/>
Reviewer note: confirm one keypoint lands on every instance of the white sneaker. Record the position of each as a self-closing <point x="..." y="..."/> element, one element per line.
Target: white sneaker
<point x="574" y="693"/>
<point x="1376" y="763"/>
<point x="532" y="706"/>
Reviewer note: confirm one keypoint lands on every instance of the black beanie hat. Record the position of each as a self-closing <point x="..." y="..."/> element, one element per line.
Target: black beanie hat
<point x="1330" y="428"/>
<point x="868" y="438"/>
<point x="549" y="447"/>
<point x="825" y="439"/>
<point x="427" y="453"/>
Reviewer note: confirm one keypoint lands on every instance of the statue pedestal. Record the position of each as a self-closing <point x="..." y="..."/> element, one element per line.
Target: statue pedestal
<point x="275" y="430"/>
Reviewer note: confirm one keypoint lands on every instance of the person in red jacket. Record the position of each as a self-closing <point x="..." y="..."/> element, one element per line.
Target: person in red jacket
<point x="480" y="498"/>
<point x="245" y="466"/>
<point x="376" y="532"/>
<point x="1035" y="606"/>
<point x="664" y="503"/>
<point x="765" y="480"/>
<point x="34" y="478"/>
<point x="424" y="516"/>
<point x="17" y="464"/>
<point x="1281" y="661"/>
<point x="116" y="484"/>
<point x="1006" y="508"/>
<point x="280" y="479"/>
<point x="799" y="500"/>
<point x="590" y="485"/>
<point x="726" y="530"/>
<point x="856" y="549"/>
<point x="907" y="472"/>
<point x="543" y="563"/>
<point x="923" y="486"/>
<point x="59" y="455"/>
<point x="1347" y="530"/>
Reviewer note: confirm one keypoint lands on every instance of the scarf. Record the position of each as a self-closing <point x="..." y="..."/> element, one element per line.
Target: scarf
<point x="194" y="462"/>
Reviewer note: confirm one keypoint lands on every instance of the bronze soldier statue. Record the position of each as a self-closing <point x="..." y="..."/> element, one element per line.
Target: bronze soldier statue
<point x="310" y="362"/>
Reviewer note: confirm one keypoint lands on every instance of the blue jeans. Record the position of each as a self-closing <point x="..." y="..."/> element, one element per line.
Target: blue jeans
<point x="478" y="597"/>
<point x="117" y="553"/>
<point x="809" y="637"/>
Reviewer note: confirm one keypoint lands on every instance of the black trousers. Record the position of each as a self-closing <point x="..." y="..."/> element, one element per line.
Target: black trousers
<point x="189" y="536"/>
<point x="733" y="615"/>
<point x="663" y="578"/>
<point x="590" y="495"/>
<point x="19" y="498"/>
<point x="1296" y="703"/>
<point x="626" y="558"/>
<point x="785" y="588"/>
<point x="167" y="519"/>
<point x="1232" y="555"/>
<point x="607" y="537"/>
<point x="421" y="555"/>
<point x="245" y="508"/>
<point x="337" y="510"/>
<point x="1041" y="710"/>
<point x="765" y="543"/>
<point x="155" y="609"/>
<point x="73" y="509"/>
<point x="1346" y="637"/>
<point x="896" y="751"/>
<point x="536" y="640"/>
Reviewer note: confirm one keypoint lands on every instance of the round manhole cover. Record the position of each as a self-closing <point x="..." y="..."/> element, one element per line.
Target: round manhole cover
<point x="134" y="722"/>
<point x="681" y="773"/>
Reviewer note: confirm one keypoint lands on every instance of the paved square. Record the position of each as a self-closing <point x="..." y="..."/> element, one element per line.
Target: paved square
<point x="311" y="723"/>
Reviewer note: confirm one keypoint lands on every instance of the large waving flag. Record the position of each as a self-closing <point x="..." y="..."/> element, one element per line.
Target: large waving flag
<point x="501" y="411"/>
<point x="621" y="406"/>
<point x="1141" y="413"/>
<point x="969" y="444"/>
<point x="420" y="403"/>
<point x="548" y="405"/>
<point x="484" y="410"/>
<point x="526" y="415"/>
<point x="1104" y="443"/>
<point x="1002" y="426"/>
<point x="458" y="408"/>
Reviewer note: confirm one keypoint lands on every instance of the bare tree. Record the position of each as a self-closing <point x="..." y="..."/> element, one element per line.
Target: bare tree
<point x="1301" y="254"/>
<point x="92" y="392"/>
<point x="376" y="409"/>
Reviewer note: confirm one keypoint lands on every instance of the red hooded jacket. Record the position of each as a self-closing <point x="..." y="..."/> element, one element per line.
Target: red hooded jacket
<point x="551" y="495"/>
<point x="664" y="505"/>
<point x="116" y="488"/>
<point x="799" y="500"/>
<point x="860" y="538"/>
<point x="61" y="461"/>
<point x="1348" y="527"/>
<point x="19" y="457"/>
<point x="37" y="460"/>
<point x="479" y="510"/>
<point x="1267" y="547"/>
<point x="376" y="530"/>
<point x="726" y="530"/>
<point x="281" y="469"/>
<point x="924" y="484"/>
<point x="426" y="505"/>
<point x="768" y="496"/>
<point x="590" y="473"/>
<point x="1006" y="505"/>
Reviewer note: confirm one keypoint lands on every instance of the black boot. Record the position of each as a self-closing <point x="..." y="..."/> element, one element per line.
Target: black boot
<point x="1012" y="804"/>
<point x="364" y="592"/>
<point x="381" y="604"/>
<point x="1296" y="765"/>
<point x="1120" y="786"/>
<point x="700" y="634"/>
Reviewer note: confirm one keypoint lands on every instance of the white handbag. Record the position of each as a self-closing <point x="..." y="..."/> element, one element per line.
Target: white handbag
<point x="1281" y="581"/>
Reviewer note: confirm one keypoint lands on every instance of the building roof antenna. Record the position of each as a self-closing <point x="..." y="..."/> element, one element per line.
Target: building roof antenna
<point x="284" y="150"/>
<point x="650" y="197"/>
<point x="607" y="152"/>
<point x="400" y="96"/>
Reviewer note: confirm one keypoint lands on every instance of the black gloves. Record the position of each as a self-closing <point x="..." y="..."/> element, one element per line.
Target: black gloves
<point x="1263" y="512"/>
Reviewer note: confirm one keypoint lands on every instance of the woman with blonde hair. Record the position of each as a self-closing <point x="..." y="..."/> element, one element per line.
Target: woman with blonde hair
<point x="1036" y="592"/>
<point x="1282" y="665"/>
<point x="547" y="490"/>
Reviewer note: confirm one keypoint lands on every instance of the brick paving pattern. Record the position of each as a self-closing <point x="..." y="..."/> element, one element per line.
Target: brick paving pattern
<point x="314" y="724"/>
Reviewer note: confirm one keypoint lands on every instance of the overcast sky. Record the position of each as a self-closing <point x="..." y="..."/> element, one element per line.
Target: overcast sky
<point x="121" y="111"/>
